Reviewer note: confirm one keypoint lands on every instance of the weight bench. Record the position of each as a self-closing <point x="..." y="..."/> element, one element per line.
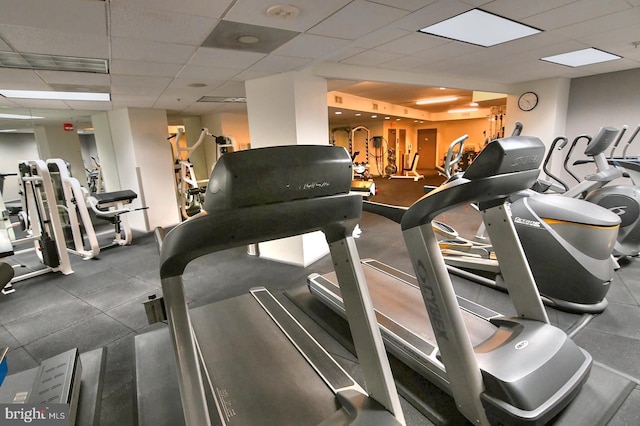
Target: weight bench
<point x="410" y="172"/>
<point x="110" y="206"/>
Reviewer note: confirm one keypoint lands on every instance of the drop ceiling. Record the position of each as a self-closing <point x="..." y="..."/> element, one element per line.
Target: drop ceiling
<point x="156" y="57"/>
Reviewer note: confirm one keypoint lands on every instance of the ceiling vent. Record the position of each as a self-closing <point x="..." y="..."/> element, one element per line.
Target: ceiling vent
<point x="35" y="61"/>
<point x="250" y="38"/>
<point x="224" y="99"/>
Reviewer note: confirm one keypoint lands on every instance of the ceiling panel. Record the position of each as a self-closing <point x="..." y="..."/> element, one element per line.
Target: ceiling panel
<point x="154" y="46"/>
<point x="166" y="27"/>
<point x="152" y="69"/>
<point x="311" y="12"/>
<point x="150" y="51"/>
<point x="38" y="40"/>
<point x="311" y="46"/>
<point x="371" y="15"/>
<point x="208" y="8"/>
<point x="73" y="16"/>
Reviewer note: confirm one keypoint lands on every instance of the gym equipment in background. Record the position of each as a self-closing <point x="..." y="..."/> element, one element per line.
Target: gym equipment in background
<point x="74" y="203"/>
<point x="568" y="243"/>
<point x="94" y="177"/>
<point x="233" y="355"/>
<point x="41" y="223"/>
<point x="69" y="378"/>
<point x="621" y="199"/>
<point x="189" y="189"/>
<point x="499" y="370"/>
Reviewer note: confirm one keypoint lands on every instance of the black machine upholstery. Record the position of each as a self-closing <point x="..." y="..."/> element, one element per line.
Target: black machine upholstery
<point x="265" y="194"/>
<point x="503" y="167"/>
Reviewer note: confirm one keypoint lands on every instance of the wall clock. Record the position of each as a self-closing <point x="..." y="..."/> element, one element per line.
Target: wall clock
<point x="528" y="101"/>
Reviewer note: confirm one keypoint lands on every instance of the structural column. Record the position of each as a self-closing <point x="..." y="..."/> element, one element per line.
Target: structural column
<point x="135" y="154"/>
<point x="289" y="109"/>
<point x="55" y="142"/>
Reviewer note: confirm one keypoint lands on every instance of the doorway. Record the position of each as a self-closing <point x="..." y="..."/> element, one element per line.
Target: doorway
<point x="427" y="148"/>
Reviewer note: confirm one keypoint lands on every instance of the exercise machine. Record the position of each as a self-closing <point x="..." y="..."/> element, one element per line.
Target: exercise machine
<point x="75" y="204"/>
<point x="246" y="360"/>
<point x="621" y="199"/>
<point x="41" y="222"/>
<point x="499" y="370"/>
<point x="568" y="243"/>
<point x="189" y="189"/>
<point x="67" y="387"/>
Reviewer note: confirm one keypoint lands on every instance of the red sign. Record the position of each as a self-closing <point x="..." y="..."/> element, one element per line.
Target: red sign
<point x="68" y="127"/>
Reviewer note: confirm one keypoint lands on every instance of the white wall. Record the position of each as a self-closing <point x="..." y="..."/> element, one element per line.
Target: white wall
<point x="15" y="147"/>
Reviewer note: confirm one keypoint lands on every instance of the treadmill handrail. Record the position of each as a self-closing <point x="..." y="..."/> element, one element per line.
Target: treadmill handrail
<point x="505" y="166"/>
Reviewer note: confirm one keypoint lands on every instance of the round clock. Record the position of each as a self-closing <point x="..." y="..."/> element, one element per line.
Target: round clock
<point x="528" y="101"/>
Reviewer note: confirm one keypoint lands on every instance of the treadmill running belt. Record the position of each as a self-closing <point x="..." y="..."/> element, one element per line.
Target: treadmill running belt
<point x="249" y="366"/>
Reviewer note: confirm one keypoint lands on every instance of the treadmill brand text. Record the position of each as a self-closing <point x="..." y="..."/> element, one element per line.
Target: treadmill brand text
<point x="313" y="185"/>
<point x="430" y="299"/>
<point x="526" y="160"/>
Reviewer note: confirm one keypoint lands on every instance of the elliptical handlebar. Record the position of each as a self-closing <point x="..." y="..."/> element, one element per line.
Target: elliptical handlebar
<point x="633" y="136"/>
<point x="563" y="141"/>
<point x="565" y="164"/>
<point x="517" y="129"/>
<point x="618" y="139"/>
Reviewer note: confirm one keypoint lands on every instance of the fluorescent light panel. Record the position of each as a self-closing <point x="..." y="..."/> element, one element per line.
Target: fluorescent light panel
<point x="19" y="117"/>
<point x="582" y="57"/>
<point x="52" y="95"/>
<point x="481" y="28"/>
<point x="437" y="100"/>
<point x="462" y="110"/>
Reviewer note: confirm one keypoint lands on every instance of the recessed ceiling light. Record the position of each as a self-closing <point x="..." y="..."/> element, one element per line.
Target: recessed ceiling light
<point x="443" y="88"/>
<point x="473" y="104"/>
<point x="374" y="116"/>
<point x="19" y="117"/>
<point x="8" y="130"/>
<point x="358" y="114"/>
<point x="52" y="95"/>
<point x="197" y="85"/>
<point x="582" y="57"/>
<point x="481" y="28"/>
<point x="338" y="112"/>
<point x="387" y="118"/>
<point x="398" y="119"/>
<point x="248" y="39"/>
<point x="437" y="100"/>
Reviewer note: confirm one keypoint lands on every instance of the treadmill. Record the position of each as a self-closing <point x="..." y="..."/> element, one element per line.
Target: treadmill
<point x="499" y="370"/>
<point x="247" y="360"/>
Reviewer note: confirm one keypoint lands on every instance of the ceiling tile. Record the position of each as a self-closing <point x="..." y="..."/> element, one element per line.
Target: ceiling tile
<point x="410" y="5"/>
<point x="37" y="40"/>
<point x="153" y="69"/>
<point x="372" y="58"/>
<point x="211" y="57"/>
<point x="311" y="12"/>
<point x="575" y="12"/>
<point x="204" y="74"/>
<point x="139" y="81"/>
<point x="71" y="16"/>
<point x="520" y="9"/>
<point x="311" y="46"/>
<point x="161" y="26"/>
<point x="230" y="88"/>
<point x="277" y="64"/>
<point x="131" y="100"/>
<point x="431" y="14"/>
<point x="372" y="15"/>
<point x="412" y="43"/>
<point x="208" y="8"/>
<point x="150" y="51"/>
<point x="75" y="78"/>
<point x="379" y="37"/>
<point x="96" y="106"/>
<point x="345" y="53"/>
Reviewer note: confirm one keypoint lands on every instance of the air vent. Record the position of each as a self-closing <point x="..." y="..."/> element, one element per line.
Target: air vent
<point x="34" y="61"/>
<point x="375" y="107"/>
<point x="338" y="99"/>
<point x="224" y="99"/>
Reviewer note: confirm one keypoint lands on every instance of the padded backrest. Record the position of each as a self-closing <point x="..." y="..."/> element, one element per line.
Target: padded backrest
<point x="278" y="174"/>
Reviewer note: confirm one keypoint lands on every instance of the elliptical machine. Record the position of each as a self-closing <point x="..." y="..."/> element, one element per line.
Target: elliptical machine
<point x="568" y="243"/>
<point x="622" y="199"/>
